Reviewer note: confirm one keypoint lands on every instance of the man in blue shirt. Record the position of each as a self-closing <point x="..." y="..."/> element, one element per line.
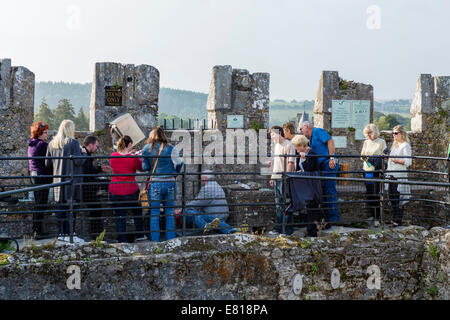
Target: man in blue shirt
<point x="322" y="143"/>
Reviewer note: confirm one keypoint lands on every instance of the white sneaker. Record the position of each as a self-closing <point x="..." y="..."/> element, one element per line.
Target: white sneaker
<point x="143" y="238"/>
<point x="65" y="239"/>
<point x="77" y="240"/>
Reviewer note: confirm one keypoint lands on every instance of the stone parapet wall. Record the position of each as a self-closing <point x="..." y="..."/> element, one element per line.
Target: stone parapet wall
<point x="16" y="115"/>
<point x="406" y="263"/>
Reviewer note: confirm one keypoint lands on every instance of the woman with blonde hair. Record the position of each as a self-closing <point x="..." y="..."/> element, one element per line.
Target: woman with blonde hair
<point x="396" y="170"/>
<point x="64" y="144"/>
<point x="373" y="146"/>
<point x="162" y="161"/>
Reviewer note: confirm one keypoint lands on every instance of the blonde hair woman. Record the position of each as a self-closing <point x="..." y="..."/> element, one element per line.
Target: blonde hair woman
<point x="305" y="162"/>
<point x="399" y="193"/>
<point x="373" y="146"/>
<point x="64" y="144"/>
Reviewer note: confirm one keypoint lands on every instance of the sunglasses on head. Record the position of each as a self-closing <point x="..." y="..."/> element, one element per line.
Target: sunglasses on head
<point x="395" y="133"/>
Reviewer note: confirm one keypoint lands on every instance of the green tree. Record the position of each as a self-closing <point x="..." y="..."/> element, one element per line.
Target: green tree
<point x="81" y="121"/>
<point x="64" y="111"/>
<point x="45" y="114"/>
<point x="387" y="122"/>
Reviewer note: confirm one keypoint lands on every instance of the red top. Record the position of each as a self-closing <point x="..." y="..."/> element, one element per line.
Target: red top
<point x="123" y="166"/>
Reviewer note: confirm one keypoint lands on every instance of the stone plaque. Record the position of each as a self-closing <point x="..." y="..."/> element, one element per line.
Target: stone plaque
<point x="341" y="113"/>
<point x="113" y="96"/>
<point x="340" y="141"/>
<point x="351" y="113"/>
<point x="235" y="121"/>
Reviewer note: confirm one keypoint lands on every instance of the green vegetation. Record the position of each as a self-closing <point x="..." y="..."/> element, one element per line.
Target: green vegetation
<point x="433" y="251"/>
<point x="6" y="246"/>
<point x="433" y="291"/>
<point x="99" y="239"/>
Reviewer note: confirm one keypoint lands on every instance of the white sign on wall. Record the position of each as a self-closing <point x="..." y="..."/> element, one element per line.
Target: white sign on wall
<point x="235" y="121"/>
<point x="340" y="141"/>
<point x="351" y="113"/>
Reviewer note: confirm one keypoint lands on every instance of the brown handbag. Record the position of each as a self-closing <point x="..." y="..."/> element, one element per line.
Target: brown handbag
<point x="144" y="198"/>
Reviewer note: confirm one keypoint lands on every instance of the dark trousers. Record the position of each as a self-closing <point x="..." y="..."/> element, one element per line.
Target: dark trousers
<point x="91" y="201"/>
<point x="40" y="202"/>
<point x="314" y="214"/>
<point x="130" y="200"/>
<point x="394" y="198"/>
<point x="63" y="217"/>
<point x="373" y="194"/>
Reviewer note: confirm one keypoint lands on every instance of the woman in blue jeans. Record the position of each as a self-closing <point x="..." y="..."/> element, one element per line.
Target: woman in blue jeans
<point x="163" y="163"/>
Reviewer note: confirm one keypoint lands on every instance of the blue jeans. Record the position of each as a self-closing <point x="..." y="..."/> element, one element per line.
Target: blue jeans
<point x="202" y="219"/>
<point x="330" y="192"/>
<point x="289" y="229"/>
<point x="166" y="192"/>
<point x="121" y="214"/>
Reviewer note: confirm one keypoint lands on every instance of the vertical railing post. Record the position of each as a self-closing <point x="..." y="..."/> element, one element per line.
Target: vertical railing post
<point x="381" y="193"/>
<point x="183" y="199"/>
<point x="71" y="200"/>
<point x="283" y="190"/>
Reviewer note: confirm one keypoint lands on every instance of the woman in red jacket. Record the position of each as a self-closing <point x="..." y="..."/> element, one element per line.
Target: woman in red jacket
<point x="123" y="190"/>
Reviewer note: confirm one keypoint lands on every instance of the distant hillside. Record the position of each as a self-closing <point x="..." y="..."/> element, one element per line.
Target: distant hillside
<point x="182" y="103"/>
<point x="188" y="104"/>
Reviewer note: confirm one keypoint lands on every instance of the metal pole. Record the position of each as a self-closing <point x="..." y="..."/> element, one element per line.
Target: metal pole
<point x="382" y="194"/>
<point x="72" y="192"/>
<point x="283" y="190"/>
<point x="183" y="199"/>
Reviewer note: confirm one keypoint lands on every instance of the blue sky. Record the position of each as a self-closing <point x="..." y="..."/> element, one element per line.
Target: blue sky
<point x="384" y="43"/>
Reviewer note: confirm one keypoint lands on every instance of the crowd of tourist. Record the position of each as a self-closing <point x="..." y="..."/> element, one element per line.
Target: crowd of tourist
<point x="310" y="152"/>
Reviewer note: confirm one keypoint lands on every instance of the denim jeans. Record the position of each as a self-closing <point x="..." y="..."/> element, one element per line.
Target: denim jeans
<point x="202" y="219"/>
<point x="122" y="213"/>
<point x="330" y="192"/>
<point x="289" y="229"/>
<point x="162" y="191"/>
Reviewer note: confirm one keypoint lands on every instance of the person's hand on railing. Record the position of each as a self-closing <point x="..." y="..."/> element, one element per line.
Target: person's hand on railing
<point x="332" y="163"/>
<point x="269" y="164"/>
<point x="272" y="183"/>
<point x="106" y="168"/>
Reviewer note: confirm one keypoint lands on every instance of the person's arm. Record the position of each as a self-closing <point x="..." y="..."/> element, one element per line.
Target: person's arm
<point x="290" y="167"/>
<point x="331" y="151"/>
<point x="49" y="162"/>
<point x="177" y="160"/>
<point x="76" y="151"/>
<point x="145" y="161"/>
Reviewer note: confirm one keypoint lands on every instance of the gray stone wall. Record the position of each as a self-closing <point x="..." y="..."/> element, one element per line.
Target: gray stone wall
<point x="405" y="263"/>
<point x="238" y="92"/>
<point x="140" y="89"/>
<point x="333" y="87"/>
<point x="16" y="115"/>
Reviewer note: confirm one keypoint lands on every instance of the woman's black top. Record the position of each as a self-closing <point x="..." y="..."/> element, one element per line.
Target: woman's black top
<point x="311" y="163"/>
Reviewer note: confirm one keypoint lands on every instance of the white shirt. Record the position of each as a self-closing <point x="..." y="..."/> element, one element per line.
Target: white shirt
<point x="403" y="149"/>
<point x="285" y="148"/>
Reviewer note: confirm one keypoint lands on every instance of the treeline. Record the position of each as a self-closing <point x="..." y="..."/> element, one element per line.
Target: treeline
<point x="79" y="94"/>
<point x="64" y="110"/>
<point x="387" y="122"/>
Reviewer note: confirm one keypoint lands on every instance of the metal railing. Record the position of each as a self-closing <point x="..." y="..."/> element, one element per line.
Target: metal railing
<point x="251" y="202"/>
